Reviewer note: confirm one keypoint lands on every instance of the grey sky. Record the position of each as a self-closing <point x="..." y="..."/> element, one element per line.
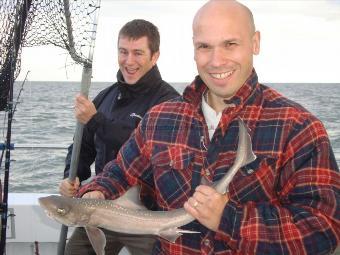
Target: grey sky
<point x="300" y="41"/>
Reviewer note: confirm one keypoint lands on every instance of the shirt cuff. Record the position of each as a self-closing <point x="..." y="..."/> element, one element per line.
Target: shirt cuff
<point x="92" y="187"/>
<point x="95" y="121"/>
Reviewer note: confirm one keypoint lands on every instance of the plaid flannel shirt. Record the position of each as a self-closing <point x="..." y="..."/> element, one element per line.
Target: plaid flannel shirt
<point x="285" y="202"/>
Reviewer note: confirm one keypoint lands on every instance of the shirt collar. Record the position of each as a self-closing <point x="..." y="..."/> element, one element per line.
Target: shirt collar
<point x="193" y="93"/>
<point x="212" y="118"/>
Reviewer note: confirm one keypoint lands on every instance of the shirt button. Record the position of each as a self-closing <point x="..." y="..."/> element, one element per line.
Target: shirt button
<point x="206" y="242"/>
<point x="171" y="163"/>
<point x="207" y="173"/>
<point x="250" y="171"/>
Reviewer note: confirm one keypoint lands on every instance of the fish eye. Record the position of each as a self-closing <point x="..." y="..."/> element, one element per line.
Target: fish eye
<point x="61" y="211"/>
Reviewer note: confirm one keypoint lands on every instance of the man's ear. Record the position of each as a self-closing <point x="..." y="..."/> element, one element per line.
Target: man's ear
<point x="256" y="42"/>
<point x="155" y="57"/>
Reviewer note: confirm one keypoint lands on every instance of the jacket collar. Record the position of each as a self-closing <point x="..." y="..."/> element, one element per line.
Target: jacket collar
<point x="151" y="79"/>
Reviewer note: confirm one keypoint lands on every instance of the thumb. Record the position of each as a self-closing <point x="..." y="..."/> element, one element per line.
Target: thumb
<point x="76" y="183"/>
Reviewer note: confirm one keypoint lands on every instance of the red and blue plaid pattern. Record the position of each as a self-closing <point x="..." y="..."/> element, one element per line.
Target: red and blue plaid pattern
<point x="285" y="202"/>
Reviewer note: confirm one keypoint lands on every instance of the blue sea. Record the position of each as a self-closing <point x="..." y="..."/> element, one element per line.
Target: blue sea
<point x="44" y="118"/>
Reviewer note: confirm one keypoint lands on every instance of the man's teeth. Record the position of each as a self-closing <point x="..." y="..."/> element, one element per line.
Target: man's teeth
<point x="130" y="70"/>
<point x="221" y="75"/>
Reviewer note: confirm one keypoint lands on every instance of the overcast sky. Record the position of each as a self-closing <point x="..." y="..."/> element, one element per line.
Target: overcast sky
<point x="300" y="41"/>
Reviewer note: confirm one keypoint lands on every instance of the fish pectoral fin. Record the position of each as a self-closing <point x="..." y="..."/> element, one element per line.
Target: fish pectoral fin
<point x="97" y="239"/>
<point x="171" y="234"/>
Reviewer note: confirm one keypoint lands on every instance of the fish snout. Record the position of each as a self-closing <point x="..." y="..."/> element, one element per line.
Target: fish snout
<point x="43" y="202"/>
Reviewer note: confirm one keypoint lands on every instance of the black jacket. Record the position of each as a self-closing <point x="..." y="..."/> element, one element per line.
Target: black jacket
<point x="120" y="107"/>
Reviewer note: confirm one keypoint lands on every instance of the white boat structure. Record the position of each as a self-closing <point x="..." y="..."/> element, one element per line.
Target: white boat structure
<point x="29" y="230"/>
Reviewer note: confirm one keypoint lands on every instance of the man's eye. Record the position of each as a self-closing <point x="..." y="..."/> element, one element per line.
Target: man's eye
<point x="202" y="46"/>
<point x="230" y="44"/>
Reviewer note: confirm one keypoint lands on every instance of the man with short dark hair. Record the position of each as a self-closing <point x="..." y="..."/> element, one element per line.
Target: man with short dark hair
<point x="110" y="119"/>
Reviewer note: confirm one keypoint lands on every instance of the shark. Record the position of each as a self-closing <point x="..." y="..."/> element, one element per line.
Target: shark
<point x="127" y="214"/>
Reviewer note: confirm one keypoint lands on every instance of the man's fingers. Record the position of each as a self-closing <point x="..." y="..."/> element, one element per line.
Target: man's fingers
<point x="81" y="100"/>
<point x="80" y="97"/>
<point x="200" y="197"/>
<point x="191" y="209"/>
<point x="72" y="184"/>
<point x="67" y="192"/>
<point x="68" y="188"/>
<point x="193" y="202"/>
<point x="204" y="193"/>
<point x="76" y="183"/>
<point x="94" y="194"/>
<point x="206" y="190"/>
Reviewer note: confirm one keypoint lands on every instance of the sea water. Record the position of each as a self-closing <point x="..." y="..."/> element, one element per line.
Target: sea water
<point x="44" y="118"/>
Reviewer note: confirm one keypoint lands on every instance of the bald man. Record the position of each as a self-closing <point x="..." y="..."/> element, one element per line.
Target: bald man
<point x="285" y="202"/>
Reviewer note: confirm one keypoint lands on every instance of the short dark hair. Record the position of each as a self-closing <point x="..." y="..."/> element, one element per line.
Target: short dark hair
<point x="138" y="28"/>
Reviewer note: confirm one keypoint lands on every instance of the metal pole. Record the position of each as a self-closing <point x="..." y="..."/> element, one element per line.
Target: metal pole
<point x="85" y="85"/>
<point x="86" y="80"/>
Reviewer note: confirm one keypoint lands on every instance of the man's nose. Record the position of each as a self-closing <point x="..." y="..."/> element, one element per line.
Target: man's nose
<point x="130" y="58"/>
<point x="218" y="57"/>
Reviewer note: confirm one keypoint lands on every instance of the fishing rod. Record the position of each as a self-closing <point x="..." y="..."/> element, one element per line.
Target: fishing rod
<point x="11" y="60"/>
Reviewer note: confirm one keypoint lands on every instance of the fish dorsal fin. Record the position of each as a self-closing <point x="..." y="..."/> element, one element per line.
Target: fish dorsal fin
<point x="97" y="239"/>
<point x="131" y="199"/>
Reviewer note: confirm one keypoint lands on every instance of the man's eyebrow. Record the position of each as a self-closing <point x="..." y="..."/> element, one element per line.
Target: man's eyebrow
<point x="134" y="50"/>
<point x="231" y="40"/>
<point x="223" y="42"/>
<point x="200" y="42"/>
<point x="138" y="50"/>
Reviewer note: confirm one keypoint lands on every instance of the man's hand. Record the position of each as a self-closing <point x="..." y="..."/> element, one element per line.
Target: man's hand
<point x="207" y="206"/>
<point x="94" y="194"/>
<point x="84" y="109"/>
<point x="68" y="188"/>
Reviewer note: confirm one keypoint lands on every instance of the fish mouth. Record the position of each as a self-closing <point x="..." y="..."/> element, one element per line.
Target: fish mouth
<point x="43" y="204"/>
<point x="49" y="214"/>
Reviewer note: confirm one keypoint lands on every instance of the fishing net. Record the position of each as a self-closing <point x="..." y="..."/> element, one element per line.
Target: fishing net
<point x="68" y="24"/>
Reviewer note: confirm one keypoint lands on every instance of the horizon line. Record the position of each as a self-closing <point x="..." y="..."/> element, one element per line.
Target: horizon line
<point x="172" y="82"/>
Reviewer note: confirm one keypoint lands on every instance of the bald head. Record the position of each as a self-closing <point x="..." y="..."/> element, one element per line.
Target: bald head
<point x="225" y="42"/>
<point x="227" y="9"/>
